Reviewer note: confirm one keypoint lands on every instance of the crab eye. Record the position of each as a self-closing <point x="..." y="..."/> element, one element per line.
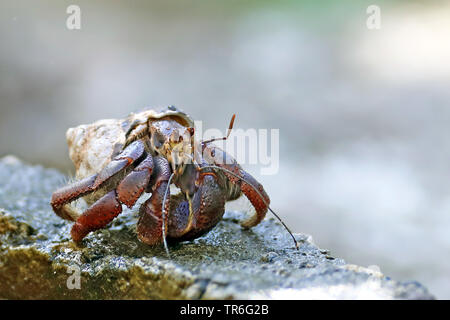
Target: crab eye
<point x="174" y="137"/>
<point x="158" y="140"/>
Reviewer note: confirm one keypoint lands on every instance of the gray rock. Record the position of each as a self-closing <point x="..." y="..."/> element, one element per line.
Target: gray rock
<point x="39" y="260"/>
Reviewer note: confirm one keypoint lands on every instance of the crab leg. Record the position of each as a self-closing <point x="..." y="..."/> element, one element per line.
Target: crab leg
<point x="252" y="189"/>
<point x="260" y="200"/>
<point x="67" y="194"/>
<point x="124" y="159"/>
<point x="150" y="224"/>
<point x="131" y="187"/>
<point x="64" y="195"/>
<point x="104" y="210"/>
<point x="97" y="216"/>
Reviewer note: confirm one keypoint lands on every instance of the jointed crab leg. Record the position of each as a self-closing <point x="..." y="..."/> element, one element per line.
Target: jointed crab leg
<point x="237" y="176"/>
<point x="67" y="194"/>
<point x="64" y="195"/>
<point x="261" y="204"/>
<point x="131" y="187"/>
<point x="109" y="206"/>
<point x="96" y="216"/>
<point x="124" y="159"/>
<point x="256" y="191"/>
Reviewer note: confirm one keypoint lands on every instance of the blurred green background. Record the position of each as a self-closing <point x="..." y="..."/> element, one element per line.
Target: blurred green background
<point x="363" y="114"/>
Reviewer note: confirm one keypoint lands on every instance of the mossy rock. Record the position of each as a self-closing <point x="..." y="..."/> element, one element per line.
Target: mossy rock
<point x="38" y="260"/>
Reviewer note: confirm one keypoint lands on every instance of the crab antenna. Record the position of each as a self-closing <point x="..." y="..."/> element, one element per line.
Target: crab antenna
<point x="259" y="193"/>
<point x="230" y="127"/>
<point x="164" y="216"/>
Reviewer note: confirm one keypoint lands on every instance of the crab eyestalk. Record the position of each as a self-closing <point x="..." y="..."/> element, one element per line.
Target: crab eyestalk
<point x="177" y="161"/>
<point x="181" y="153"/>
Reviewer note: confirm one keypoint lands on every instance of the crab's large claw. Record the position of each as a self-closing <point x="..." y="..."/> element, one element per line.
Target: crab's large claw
<point x="190" y="218"/>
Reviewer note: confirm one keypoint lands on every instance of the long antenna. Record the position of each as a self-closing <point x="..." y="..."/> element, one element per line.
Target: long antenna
<point x="259" y="193"/>
<point x="230" y="127"/>
<point x="164" y="216"/>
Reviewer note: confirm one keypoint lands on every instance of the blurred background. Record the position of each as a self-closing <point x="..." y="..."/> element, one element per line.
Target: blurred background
<point x="364" y="115"/>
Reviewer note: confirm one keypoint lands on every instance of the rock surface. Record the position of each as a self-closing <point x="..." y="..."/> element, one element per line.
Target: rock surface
<point x="38" y="260"/>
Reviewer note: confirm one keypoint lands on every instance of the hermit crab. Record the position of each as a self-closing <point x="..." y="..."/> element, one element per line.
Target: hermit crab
<point x="146" y="153"/>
